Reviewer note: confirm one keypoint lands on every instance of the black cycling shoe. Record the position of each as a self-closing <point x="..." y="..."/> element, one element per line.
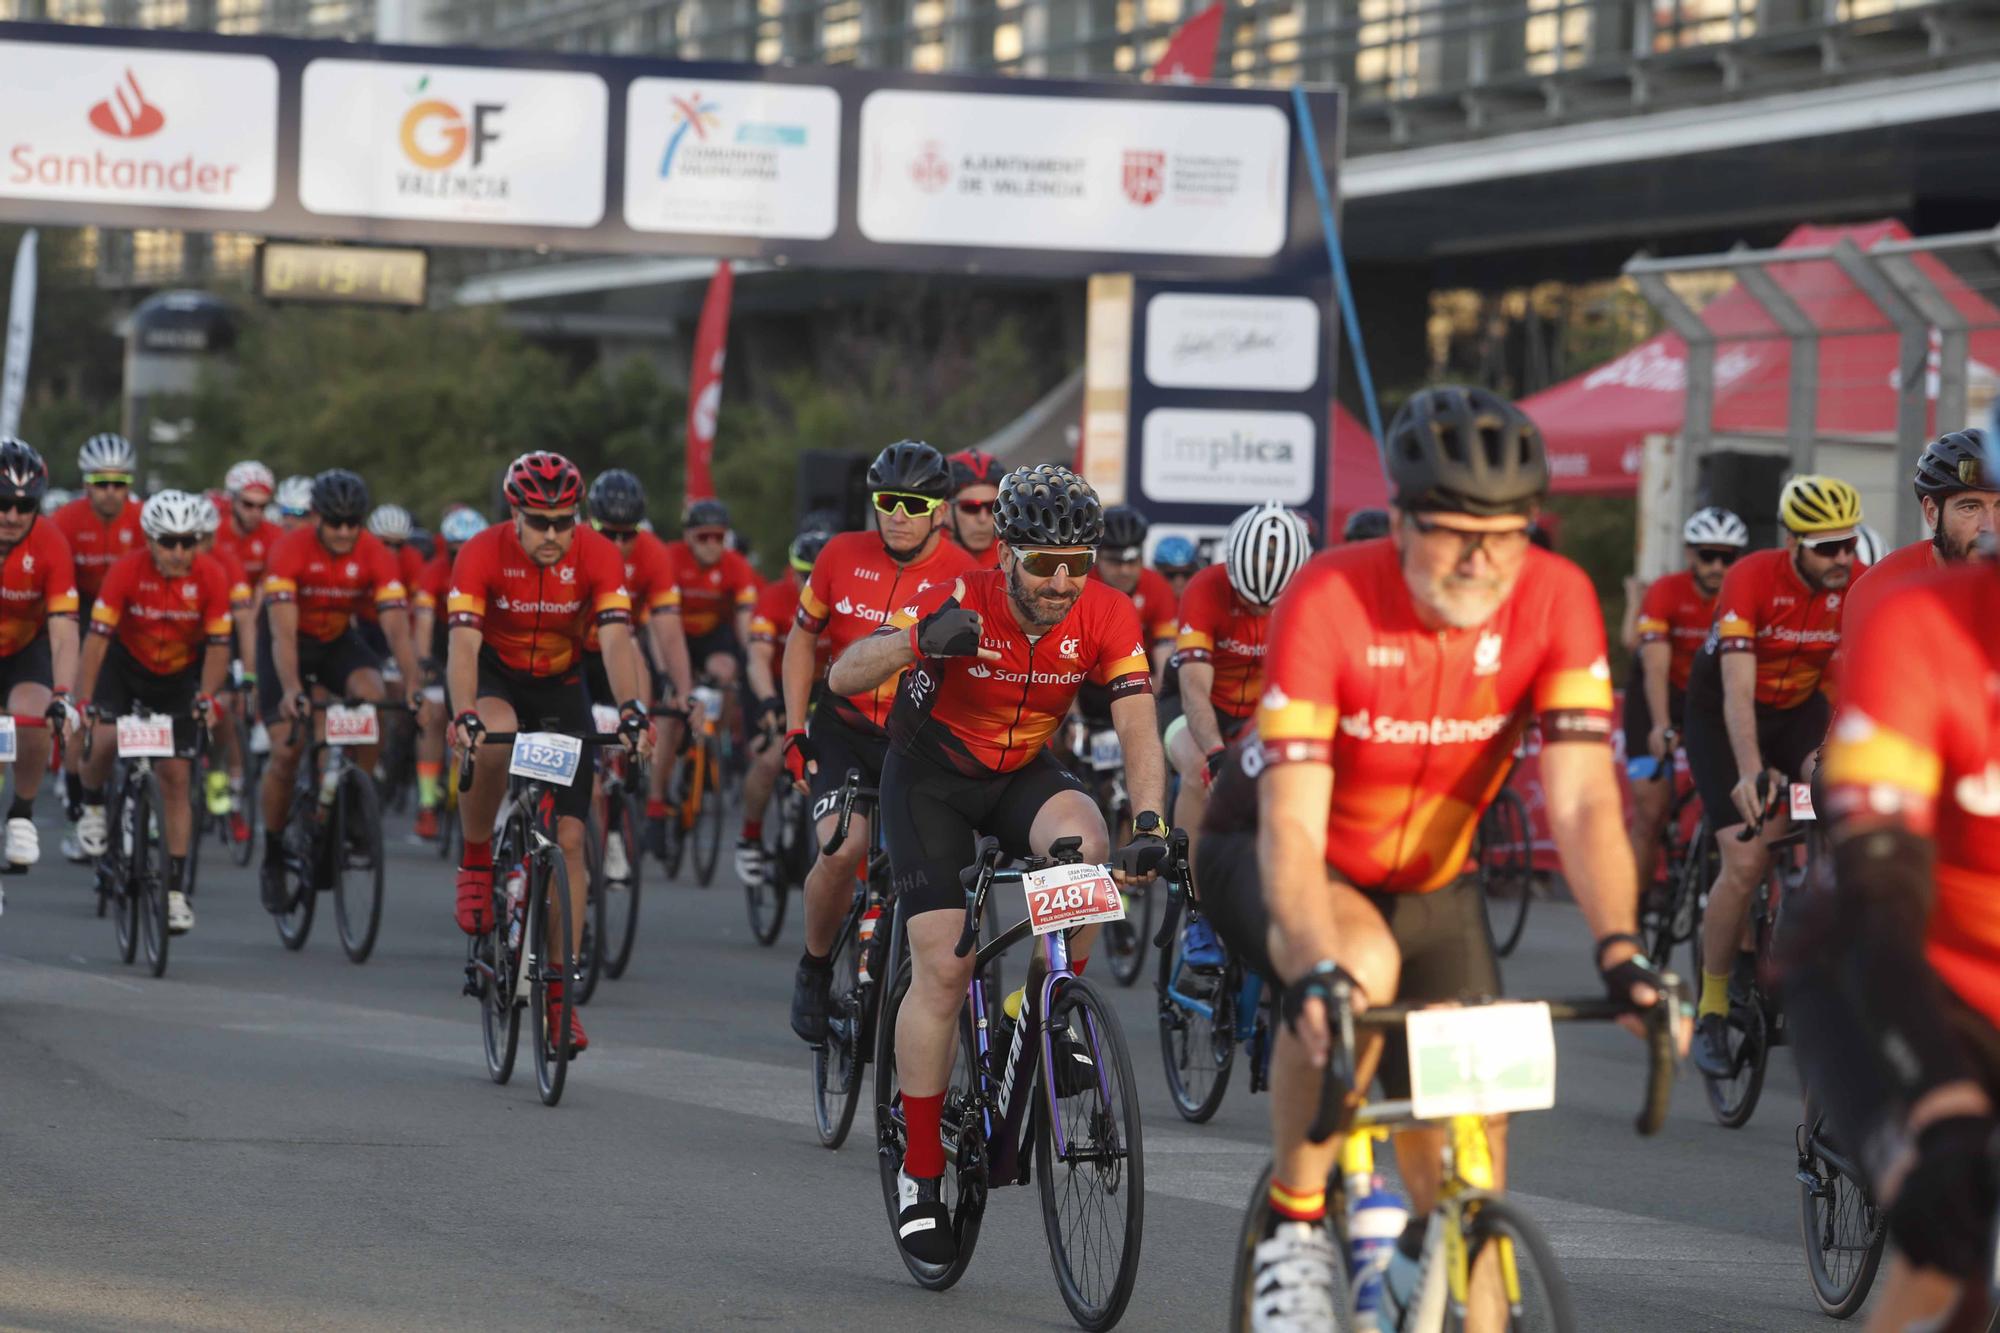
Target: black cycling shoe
<point x="809" y="1000"/>
<point x="1710" y="1052"/>
<point x="271" y="886"/>
<point x="1076" y="1072"/>
<point x="923" y="1227"/>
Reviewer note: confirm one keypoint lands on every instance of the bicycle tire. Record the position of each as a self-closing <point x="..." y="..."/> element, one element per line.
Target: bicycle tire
<point x="1125" y="941"/>
<point x="199" y="819"/>
<point x="1842" y="1231"/>
<point x="838" y="1062"/>
<point x="124" y="895"/>
<point x="295" y="924"/>
<point x="681" y="787"/>
<point x="1187" y="1040"/>
<point x="1106" y="1118"/>
<point x="548" y="882"/>
<point x="1490" y="1218"/>
<point x="500" y="1005"/>
<point x="964" y="1181"/>
<point x="590" y="955"/>
<point x="1732" y="1101"/>
<point x="1506" y="868"/>
<point x="357" y="827"/>
<point x="622" y="896"/>
<point x="707" y="831"/>
<point x="149" y="868"/>
<point x="243" y="852"/>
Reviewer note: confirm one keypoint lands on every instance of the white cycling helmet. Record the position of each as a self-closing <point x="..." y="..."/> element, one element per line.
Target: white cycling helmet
<point x="1264" y="548"/>
<point x="294" y="496"/>
<point x="1715" y="527"/>
<point x="1868" y="549"/>
<point x="211" y="518"/>
<point x="54" y="498"/>
<point x="461" y="526"/>
<point x="107" y="453"/>
<point x="175" y="513"/>
<point x="249" y="475"/>
<point x="391" y="523"/>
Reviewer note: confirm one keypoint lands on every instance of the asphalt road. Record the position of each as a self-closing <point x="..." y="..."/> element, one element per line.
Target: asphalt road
<point x="272" y="1140"/>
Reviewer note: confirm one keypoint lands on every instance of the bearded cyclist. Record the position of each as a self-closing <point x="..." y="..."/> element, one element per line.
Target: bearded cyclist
<point x="993" y="663"/>
<point x="1961" y="501"/>
<point x="859" y="581"/>
<point x="975" y="481"/>
<point x="38" y="635"/>
<point x="1756" y="715"/>
<point x="1399" y="677"/>
<point x="771" y="623"/>
<point x="245" y="536"/>
<point x="1121" y="564"/>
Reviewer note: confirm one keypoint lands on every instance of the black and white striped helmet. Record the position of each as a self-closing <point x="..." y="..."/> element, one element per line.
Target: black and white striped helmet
<point x="1264" y="548"/>
<point x="107" y="453"/>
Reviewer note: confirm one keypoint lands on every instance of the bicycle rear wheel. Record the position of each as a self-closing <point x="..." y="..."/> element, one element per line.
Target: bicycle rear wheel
<point x="356" y="860"/>
<point x="243" y="849"/>
<point x="1197" y="1048"/>
<point x="149" y="870"/>
<point x="115" y="870"/>
<point x="1506" y="868"/>
<point x="621" y="892"/>
<point x="1125" y="941"/>
<point x="500" y="998"/>
<point x="964" y="1142"/>
<point x="707" y="832"/>
<point x="1733" y="1100"/>
<point x="590" y="963"/>
<point x="549" y="957"/>
<point x="1094" y="1183"/>
<point x="1536" y="1294"/>
<point x="1842" y="1229"/>
<point x="838" y="1062"/>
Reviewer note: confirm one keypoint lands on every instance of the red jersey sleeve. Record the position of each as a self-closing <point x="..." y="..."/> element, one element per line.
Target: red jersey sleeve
<point x="654" y="589"/>
<point x="741" y="578"/>
<point x="1885" y="754"/>
<point x="409" y="565"/>
<point x="1655" y="612"/>
<point x="771" y="618"/>
<point x="1162" y="613"/>
<point x="1121" y="660"/>
<point x="1300" y="709"/>
<point x="281" y="574"/>
<point x="1572" y="691"/>
<point x="386" y="574"/>
<point x="609" y="601"/>
<point x="1744" y="589"/>
<point x="1204" y="609"/>
<point x="58" y="572"/>
<point x="816" y="598"/>
<point x="218" y="594"/>
<point x="471" y="577"/>
<point x="112" y="597"/>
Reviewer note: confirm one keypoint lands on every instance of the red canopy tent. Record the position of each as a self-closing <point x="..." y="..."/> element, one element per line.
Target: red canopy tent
<point x="1597" y="423"/>
<point x="1354" y="477"/>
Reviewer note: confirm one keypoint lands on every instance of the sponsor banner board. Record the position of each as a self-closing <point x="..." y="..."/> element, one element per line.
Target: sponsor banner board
<point x="735" y="159"/>
<point x="1227" y="456"/>
<point x="1199" y="340"/>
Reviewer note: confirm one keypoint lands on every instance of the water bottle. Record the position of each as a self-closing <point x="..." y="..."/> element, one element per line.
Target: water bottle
<point x="1376" y="1217"/>
<point x="517" y="893"/>
<point x="329" y="785"/>
<point x="864" y="939"/>
<point x="1403" y="1284"/>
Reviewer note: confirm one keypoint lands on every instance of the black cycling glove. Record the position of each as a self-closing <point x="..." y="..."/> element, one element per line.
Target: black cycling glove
<point x="949" y="631"/>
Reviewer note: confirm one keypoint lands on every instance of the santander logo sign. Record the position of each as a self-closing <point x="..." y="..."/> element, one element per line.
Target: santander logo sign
<point x="126" y="114"/>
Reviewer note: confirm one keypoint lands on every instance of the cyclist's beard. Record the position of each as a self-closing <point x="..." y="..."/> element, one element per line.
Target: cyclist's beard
<point x="1043" y="610"/>
<point x="1459" y="602"/>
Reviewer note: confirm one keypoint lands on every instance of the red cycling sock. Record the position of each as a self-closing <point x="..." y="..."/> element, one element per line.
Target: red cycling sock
<point x="1297" y="1205"/>
<point x="753" y="830"/>
<point x="924" y="1158"/>
<point x="656" y="809"/>
<point x="477" y="855"/>
<point x="1076" y="965"/>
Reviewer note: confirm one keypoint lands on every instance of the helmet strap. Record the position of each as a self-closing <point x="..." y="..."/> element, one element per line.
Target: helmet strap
<point x="915" y="553"/>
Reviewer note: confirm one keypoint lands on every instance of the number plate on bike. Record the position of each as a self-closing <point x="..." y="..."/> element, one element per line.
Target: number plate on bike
<point x="546" y="757"/>
<point x="352" y="726"/>
<point x="1481" y="1060"/>
<point x="1105" y="751"/>
<point x="6" y="739"/>
<point x="604" y="717"/>
<point x="146" y="737"/>
<point x="1802" y="806"/>
<point x="1064" y="896"/>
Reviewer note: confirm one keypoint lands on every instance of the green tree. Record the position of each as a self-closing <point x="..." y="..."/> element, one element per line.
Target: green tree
<point x="77" y="363"/>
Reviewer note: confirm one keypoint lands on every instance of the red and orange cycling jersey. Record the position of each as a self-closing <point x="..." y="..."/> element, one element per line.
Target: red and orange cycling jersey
<point x="37" y="581"/>
<point x="432" y="584"/>
<point x="1893" y="569"/>
<point x="978" y="717"/>
<point x="252" y="549"/>
<point x="1158" y="608"/>
<point x="649" y="581"/>
<point x="163" y="623"/>
<point x="409" y="571"/>
<point x="855" y="588"/>
<point x="710" y="594"/>
<point x="95" y="545"/>
<point x="1675" y="613"/>
<point x="534" y="616"/>
<point x="1217" y="627"/>
<point x="232" y="569"/>
<point x="1918" y="743"/>
<point x="777" y="606"/>
<point x="330" y="589"/>
<point x="1766" y="608"/>
<point x="1420" y="723"/>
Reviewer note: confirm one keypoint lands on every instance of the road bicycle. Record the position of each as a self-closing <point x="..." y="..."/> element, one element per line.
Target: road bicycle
<point x="1467" y="1062"/>
<point x="694" y="786"/>
<point x="225" y="826"/>
<point x="133" y="874"/>
<point x="528" y="946"/>
<point x="1842" y="1228"/>
<point x="1670" y="908"/>
<point x="1098" y="758"/>
<point x="859" y="959"/>
<point x="332" y="839"/>
<point x="790" y="848"/>
<point x="1030" y="1101"/>
<point x="1207" y="1014"/>
<point x="617" y="866"/>
<point x="1503" y="848"/>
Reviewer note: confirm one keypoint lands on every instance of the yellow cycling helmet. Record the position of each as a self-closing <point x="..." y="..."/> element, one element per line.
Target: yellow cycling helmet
<point x="1812" y="505"/>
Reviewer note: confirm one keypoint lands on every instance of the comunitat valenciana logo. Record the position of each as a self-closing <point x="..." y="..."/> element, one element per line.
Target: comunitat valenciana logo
<point x="448" y="144"/>
<point x="124" y="115"/>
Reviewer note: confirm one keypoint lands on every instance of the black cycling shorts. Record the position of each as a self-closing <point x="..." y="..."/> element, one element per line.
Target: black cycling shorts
<point x="545" y="703"/>
<point x="1441" y="935"/>
<point x="721" y="639"/>
<point x="124" y="686"/>
<point x="33" y="665"/>
<point x="933" y="817"/>
<point x="330" y="664"/>
<point x="597" y="681"/>
<point x="1786" y="737"/>
<point x="838" y="746"/>
<point x="1639" y="724"/>
<point x="374" y="636"/>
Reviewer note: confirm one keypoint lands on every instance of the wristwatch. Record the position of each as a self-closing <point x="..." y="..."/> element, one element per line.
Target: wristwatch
<point x="1150" y="824"/>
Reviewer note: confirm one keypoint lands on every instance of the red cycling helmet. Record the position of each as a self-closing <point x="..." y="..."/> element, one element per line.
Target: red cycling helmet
<point x="974" y="467"/>
<point x="543" y="481"/>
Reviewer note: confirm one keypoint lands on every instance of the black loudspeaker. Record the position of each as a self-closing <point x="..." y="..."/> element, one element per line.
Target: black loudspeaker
<point x="1748" y="486"/>
<point x="829" y="479"/>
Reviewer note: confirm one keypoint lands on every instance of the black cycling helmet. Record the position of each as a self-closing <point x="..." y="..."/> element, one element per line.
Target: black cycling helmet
<point x="706" y="514"/>
<point x="1124" y="528"/>
<point x="1466" y="450"/>
<point x="1953" y="463"/>
<point x="913" y="468"/>
<point x="340" y="495"/>
<point x="617" y="498"/>
<point x="806" y="548"/>
<point x="1048" y="505"/>
<point x="1365" y="525"/>
<point x="23" y="474"/>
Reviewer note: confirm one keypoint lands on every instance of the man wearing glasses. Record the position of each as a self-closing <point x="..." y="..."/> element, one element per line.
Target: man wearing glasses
<point x="1961" y="504"/>
<point x="38" y="634"/>
<point x="859" y="581"/>
<point x="975" y="481"/>
<point x="1755" y="711"/>
<point x="1672" y="623"/>
<point x="320" y="575"/>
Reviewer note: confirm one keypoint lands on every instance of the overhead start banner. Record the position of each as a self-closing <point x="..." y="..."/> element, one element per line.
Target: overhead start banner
<point x="840" y="167"/>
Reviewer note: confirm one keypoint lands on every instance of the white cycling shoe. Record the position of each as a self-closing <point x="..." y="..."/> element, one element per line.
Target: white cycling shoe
<point x="1293" y="1287"/>
<point x="617" y="865"/>
<point x="92" y="831"/>
<point x="180" y="916"/>
<point x="24" y="844"/>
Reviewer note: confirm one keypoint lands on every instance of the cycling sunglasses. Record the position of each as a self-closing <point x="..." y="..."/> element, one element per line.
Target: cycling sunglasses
<point x="916" y="506"/>
<point x="20" y="505"/>
<point x="108" y="479"/>
<point x="1044" y="564"/>
<point x="1123" y="555"/>
<point x="973" y="508"/>
<point x="1709" y="556"/>
<point x="1828" y="550"/>
<point x="179" y="541"/>
<point x="619" y="534"/>
<point x="1507" y="540"/>
<point x="259" y="505"/>
<point x="341" y="523"/>
<point x="707" y="535"/>
<point x="549" y="522"/>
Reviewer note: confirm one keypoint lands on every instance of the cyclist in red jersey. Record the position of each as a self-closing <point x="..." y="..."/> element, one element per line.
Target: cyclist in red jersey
<point x="101" y="525"/>
<point x="293" y="502"/>
<point x="975" y="482"/>
<point x="159" y="642"/>
<point x="459" y="526"/>
<point x="1961" y="502"/>
<point x="523" y="594"/>
<point x="859" y="581"/>
<point x="1671" y="623"/>
<point x="38" y="635"/>
<point x="993" y="664"/>
<point x="318" y="579"/>
<point x="246" y="531"/>
<point x="1121" y="565"/>
<point x="224" y="796"/>
<point x="1400" y="675"/>
<point x="770" y="624"/>
<point x="1756" y="714"/>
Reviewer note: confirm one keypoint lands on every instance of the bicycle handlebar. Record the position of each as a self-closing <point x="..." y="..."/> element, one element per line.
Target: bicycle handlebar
<point x="984" y="872"/>
<point x="1772" y="800"/>
<point x="1178" y="877"/>
<point x="597" y="740"/>
<point x="1663" y="765"/>
<point x="851" y="791"/>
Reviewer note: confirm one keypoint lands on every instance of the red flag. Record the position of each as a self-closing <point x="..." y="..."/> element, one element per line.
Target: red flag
<point x="711" y="345"/>
<point x="1190" y="55"/>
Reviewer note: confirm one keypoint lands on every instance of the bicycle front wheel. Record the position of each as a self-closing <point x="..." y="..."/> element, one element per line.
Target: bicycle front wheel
<point x="247" y="808"/>
<point x="1197" y="1038"/>
<point x="1090" y="1156"/>
<point x="356" y="860"/>
<point x="149" y="870"/>
<point x="1124" y="942"/>
<point x="837" y="1062"/>
<point x="590" y="964"/>
<point x="117" y="884"/>
<point x="621" y="852"/>
<point x="707" y="833"/>
<point x="551" y="930"/>
<point x="1506" y="868"/>
<point x="1844" y="1232"/>
<point x="1526" y="1280"/>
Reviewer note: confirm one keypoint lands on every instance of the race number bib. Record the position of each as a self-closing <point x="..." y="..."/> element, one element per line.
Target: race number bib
<point x="148" y="736"/>
<point x="1481" y="1060"/>
<point x="1105" y="751"/>
<point x="6" y="739"/>
<point x="710" y="700"/>
<point x="604" y="717"/>
<point x="352" y="726"/>
<point x="546" y="757"/>
<point x="1064" y="896"/>
<point x="1802" y="806"/>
